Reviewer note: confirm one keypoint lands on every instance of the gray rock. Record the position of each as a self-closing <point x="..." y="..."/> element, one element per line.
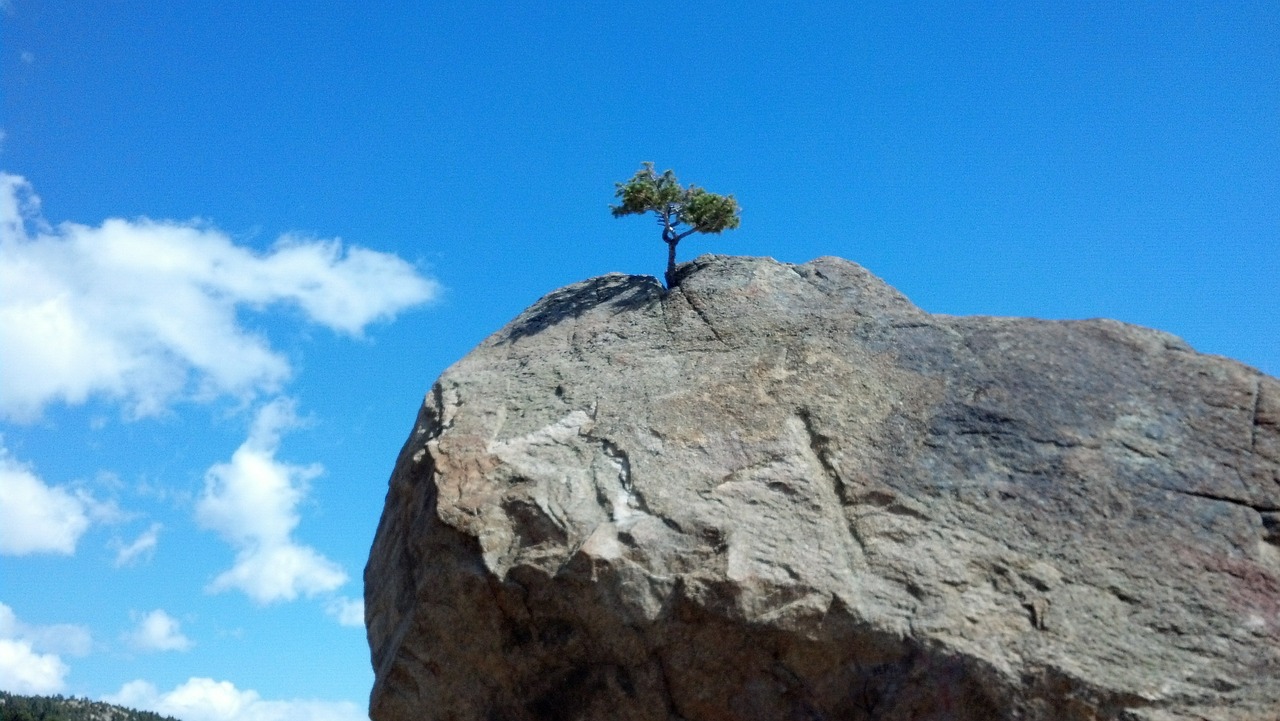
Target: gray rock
<point x="785" y="492"/>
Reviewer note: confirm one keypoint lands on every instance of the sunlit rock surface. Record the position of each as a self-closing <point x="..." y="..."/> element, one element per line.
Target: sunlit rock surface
<point x="785" y="492"/>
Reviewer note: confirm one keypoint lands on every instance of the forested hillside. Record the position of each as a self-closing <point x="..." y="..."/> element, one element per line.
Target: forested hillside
<point x="57" y="708"/>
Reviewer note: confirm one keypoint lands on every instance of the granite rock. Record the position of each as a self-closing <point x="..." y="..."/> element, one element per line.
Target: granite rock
<point x="785" y="492"/>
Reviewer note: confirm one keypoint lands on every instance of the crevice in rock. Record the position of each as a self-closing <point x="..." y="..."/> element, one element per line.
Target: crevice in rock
<point x="619" y="456"/>
<point x="820" y="444"/>
<point x="1144" y="452"/>
<point x="438" y="412"/>
<point x="622" y="460"/>
<point x="697" y="308"/>
<point x="1260" y="508"/>
<point x="634" y="497"/>
<point x="1271" y="527"/>
<point x="1014" y="435"/>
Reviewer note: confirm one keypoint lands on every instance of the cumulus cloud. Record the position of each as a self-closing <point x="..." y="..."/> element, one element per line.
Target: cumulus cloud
<point x="158" y="631"/>
<point x="29" y="661"/>
<point x="146" y="312"/>
<point x="252" y="502"/>
<point x="346" y="611"/>
<point x="141" y="548"/>
<point x="280" y="572"/>
<point x="203" y="699"/>
<point x="34" y="516"/>
<point x="24" y="671"/>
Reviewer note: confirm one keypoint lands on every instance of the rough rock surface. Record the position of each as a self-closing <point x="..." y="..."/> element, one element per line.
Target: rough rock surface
<point x="785" y="492"/>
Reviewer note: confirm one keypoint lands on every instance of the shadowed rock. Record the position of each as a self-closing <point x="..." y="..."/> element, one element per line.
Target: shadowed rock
<point x="785" y="492"/>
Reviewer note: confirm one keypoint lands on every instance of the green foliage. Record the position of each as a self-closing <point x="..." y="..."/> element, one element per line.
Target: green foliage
<point x="647" y="191"/>
<point x="56" y="708"/>
<point x="708" y="212"/>
<point x="681" y="211"/>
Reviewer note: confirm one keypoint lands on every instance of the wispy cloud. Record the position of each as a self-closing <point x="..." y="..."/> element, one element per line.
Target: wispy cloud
<point x="65" y="638"/>
<point x="158" y="631"/>
<point x="141" y="548"/>
<point x="346" y="611"/>
<point x="145" y="312"/>
<point x="203" y="699"/>
<point x="29" y="660"/>
<point x="251" y="501"/>
<point x="36" y="517"/>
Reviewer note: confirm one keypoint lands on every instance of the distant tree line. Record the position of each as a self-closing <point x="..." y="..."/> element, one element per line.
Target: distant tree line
<point x="57" y="708"/>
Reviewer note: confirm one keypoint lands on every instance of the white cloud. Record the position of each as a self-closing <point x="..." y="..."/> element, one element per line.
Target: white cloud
<point x="347" y="611"/>
<point x="142" y="547"/>
<point x="158" y="631"/>
<point x="145" y="312"/>
<point x="55" y="638"/>
<point x="36" y="517"/>
<point x="29" y="661"/>
<point x="24" y="671"/>
<point x="270" y="573"/>
<point x="251" y="501"/>
<point x="203" y="699"/>
<point x="103" y="512"/>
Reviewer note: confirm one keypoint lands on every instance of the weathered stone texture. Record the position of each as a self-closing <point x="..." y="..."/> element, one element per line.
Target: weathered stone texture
<point x="785" y="492"/>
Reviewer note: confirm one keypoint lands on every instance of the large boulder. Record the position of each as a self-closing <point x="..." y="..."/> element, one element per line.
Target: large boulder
<point x="785" y="492"/>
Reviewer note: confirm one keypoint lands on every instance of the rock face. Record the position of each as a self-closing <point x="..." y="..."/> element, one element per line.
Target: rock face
<point x="785" y="492"/>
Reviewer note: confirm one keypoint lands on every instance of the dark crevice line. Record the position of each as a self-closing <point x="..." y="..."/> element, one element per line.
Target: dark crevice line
<point x="702" y="314"/>
<point x="1260" y="508"/>
<point x="819" y="445"/>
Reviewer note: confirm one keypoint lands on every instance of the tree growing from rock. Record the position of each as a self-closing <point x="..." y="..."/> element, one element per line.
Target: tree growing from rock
<point x="681" y="211"/>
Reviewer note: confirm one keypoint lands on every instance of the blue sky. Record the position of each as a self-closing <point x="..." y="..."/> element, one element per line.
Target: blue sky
<point x="263" y="229"/>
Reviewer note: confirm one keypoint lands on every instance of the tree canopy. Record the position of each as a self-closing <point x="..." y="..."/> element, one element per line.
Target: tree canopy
<point x="681" y="211"/>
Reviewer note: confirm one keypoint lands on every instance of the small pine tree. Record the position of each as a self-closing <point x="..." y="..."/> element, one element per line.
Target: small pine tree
<point x="675" y="206"/>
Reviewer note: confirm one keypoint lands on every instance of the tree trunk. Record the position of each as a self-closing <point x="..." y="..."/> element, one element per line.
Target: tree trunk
<point x="671" y="263"/>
